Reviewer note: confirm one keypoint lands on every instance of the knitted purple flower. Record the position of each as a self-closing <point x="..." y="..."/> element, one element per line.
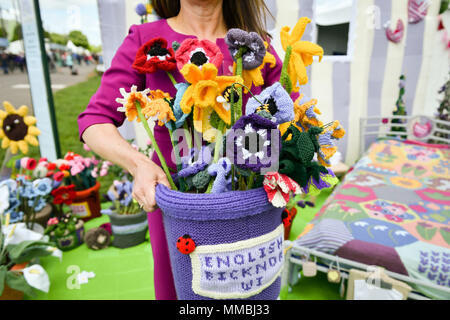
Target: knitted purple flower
<point x="195" y="162"/>
<point x="253" y="148"/>
<point x="278" y="102"/>
<point x="256" y="51"/>
<point x="220" y="170"/>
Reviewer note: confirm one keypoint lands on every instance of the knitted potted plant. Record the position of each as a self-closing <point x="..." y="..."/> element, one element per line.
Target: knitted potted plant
<point x="66" y="229"/>
<point x="223" y="216"/>
<point x="128" y="221"/>
<point x="82" y="173"/>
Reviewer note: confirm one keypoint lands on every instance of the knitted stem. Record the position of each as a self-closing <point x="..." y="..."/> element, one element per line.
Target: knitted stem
<point x="216" y="151"/>
<point x="155" y="145"/>
<point x="174" y="82"/>
<point x="177" y="158"/>
<point x="239" y="71"/>
<point x="284" y="77"/>
<point x="187" y="134"/>
<point x="251" y="180"/>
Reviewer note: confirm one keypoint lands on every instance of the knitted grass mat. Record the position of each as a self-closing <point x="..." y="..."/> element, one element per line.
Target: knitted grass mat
<point x="127" y="274"/>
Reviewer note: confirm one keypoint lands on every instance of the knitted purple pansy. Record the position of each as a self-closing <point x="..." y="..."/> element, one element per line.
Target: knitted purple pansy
<point x="256" y="50"/>
<point x="195" y="162"/>
<point x="220" y="170"/>
<point x="251" y="139"/>
<point x="278" y="102"/>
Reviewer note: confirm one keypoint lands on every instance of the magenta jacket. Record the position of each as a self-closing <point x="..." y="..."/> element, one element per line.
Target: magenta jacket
<point x="102" y="107"/>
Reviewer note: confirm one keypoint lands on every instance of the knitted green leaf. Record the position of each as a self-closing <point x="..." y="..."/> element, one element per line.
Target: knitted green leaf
<point x="18" y="282"/>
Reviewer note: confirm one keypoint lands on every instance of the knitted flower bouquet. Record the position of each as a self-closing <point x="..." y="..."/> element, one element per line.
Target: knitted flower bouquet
<point x="235" y="171"/>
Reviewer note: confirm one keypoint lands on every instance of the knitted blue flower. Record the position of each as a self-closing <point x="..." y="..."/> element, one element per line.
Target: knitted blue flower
<point x="15" y="216"/>
<point x="195" y="162"/>
<point x="278" y="102"/>
<point x="220" y="170"/>
<point x="177" y="112"/>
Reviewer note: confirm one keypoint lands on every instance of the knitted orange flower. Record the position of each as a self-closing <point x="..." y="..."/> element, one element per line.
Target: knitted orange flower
<point x="202" y="95"/>
<point x="158" y="108"/>
<point x="254" y="76"/>
<point x="129" y="100"/>
<point x="302" y="52"/>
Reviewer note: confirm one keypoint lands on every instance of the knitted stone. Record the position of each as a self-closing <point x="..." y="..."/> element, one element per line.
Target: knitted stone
<point x="97" y="239"/>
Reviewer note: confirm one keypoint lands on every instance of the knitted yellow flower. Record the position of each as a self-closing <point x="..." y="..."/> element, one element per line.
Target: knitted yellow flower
<point x="17" y="129"/>
<point x="203" y="92"/>
<point x="129" y="100"/>
<point x="301" y="52"/>
<point x="305" y="115"/>
<point x="158" y="108"/>
<point x="254" y="76"/>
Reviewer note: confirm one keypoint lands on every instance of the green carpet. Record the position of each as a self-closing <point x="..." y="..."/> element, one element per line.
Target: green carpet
<point x="127" y="274"/>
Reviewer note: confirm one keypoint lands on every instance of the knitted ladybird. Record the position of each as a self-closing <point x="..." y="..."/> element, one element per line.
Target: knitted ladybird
<point x="286" y="217"/>
<point x="185" y="244"/>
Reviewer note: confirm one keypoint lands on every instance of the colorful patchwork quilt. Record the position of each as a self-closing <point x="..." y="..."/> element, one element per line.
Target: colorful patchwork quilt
<point x="392" y="210"/>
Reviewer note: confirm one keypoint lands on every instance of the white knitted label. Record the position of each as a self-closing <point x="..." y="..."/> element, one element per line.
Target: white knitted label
<point x="238" y="270"/>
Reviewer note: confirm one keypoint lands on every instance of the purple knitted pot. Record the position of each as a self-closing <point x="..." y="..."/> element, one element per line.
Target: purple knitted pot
<point x="238" y="237"/>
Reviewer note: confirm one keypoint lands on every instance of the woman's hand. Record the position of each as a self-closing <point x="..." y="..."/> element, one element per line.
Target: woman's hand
<point x="147" y="175"/>
<point x="145" y="172"/>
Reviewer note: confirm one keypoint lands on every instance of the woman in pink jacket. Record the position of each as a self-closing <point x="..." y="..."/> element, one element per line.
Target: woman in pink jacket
<point x="182" y="19"/>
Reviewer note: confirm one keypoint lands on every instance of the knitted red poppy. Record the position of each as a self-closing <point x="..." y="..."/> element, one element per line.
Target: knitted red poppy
<point x="153" y="56"/>
<point x="198" y="52"/>
<point x="64" y="194"/>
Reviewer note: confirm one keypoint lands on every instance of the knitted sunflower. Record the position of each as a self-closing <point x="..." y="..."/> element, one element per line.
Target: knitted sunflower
<point x="17" y="129"/>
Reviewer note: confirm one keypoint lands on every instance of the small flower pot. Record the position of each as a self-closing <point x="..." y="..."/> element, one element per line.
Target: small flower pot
<point x="69" y="240"/>
<point x="128" y="230"/>
<point x="12" y="294"/>
<point x="86" y="204"/>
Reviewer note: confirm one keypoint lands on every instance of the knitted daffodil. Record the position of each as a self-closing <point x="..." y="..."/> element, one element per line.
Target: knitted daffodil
<point x="202" y="95"/>
<point x="17" y="129"/>
<point x="253" y="76"/>
<point x="306" y="115"/>
<point x="298" y="53"/>
<point x="158" y="107"/>
<point x="129" y="100"/>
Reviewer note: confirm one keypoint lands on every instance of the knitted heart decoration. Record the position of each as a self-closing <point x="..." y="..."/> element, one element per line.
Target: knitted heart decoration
<point x="397" y="35"/>
<point x="417" y="10"/>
